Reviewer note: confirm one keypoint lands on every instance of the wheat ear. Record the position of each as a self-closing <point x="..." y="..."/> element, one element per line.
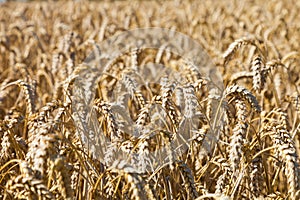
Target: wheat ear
<point x="236" y="90"/>
<point x="233" y="47"/>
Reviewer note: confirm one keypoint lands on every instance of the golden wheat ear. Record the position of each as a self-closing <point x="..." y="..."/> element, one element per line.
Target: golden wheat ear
<point x="243" y="93"/>
<point x="237" y="44"/>
<point x="257" y="66"/>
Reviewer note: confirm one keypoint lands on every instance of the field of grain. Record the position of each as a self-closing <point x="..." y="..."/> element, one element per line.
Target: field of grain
<point x="254" y="45"/>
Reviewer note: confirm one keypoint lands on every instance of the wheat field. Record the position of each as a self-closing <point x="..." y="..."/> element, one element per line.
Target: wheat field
<point x="253" y="44"/>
